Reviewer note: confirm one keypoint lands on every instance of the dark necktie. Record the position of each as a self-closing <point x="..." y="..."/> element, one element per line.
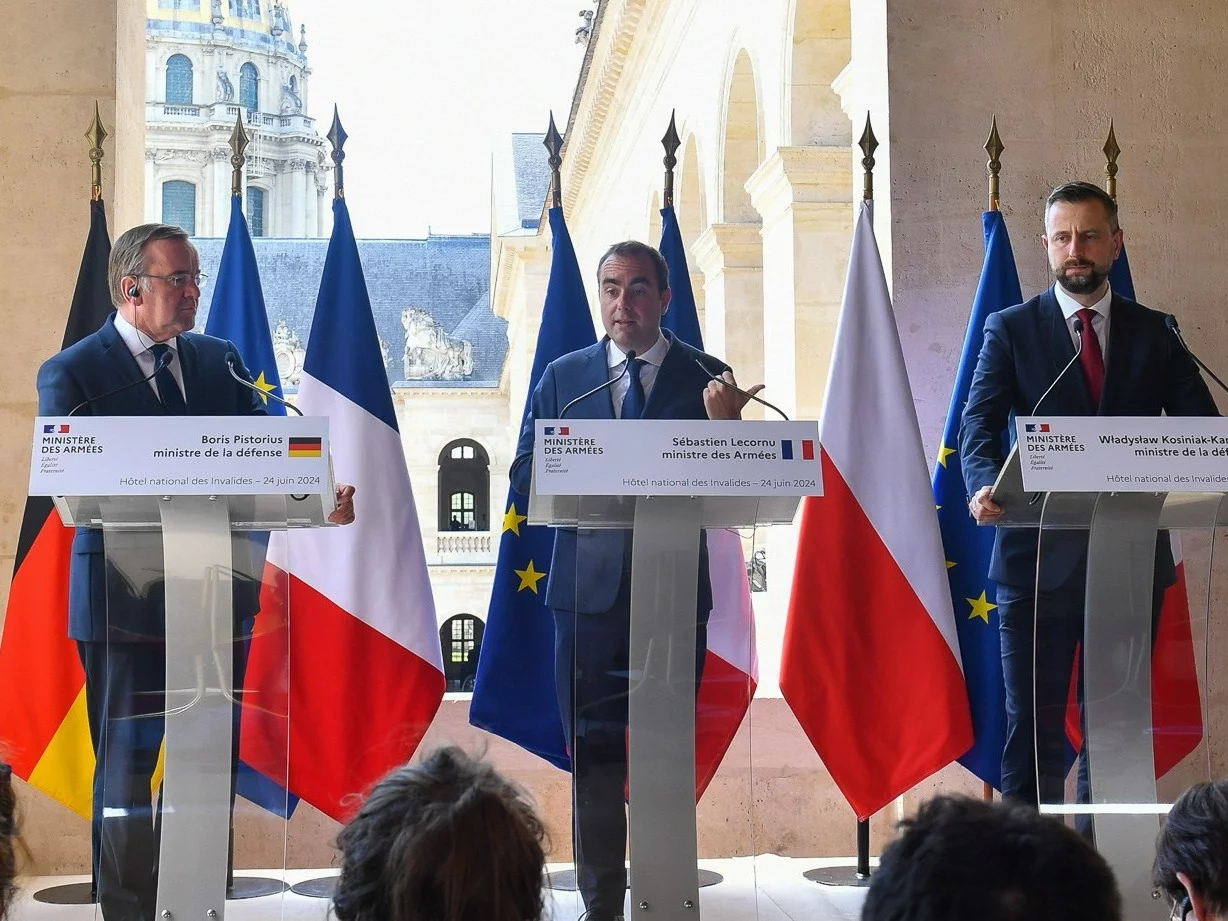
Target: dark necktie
<point x="633" y="402"/>
<point x="168" y="388"/>
<point x="1091" y="359"/>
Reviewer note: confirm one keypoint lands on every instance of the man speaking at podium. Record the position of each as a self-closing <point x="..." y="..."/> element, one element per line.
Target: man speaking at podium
<point x="142" y="362"/>
<point x="1128" y="364"/>
<point x="636" y="371"/>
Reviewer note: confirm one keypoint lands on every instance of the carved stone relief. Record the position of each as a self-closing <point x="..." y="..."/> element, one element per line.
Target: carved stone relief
<point x="430" y="353"/>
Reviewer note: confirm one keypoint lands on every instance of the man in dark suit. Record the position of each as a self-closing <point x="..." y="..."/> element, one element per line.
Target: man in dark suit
<point x="1130" y="365"/>
<point x="589" y="585"/>
<point x="116" y="604"/>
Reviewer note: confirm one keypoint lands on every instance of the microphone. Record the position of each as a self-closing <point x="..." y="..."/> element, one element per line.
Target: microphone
<point x="1171" y="322"/>
<point x="230" y="359"/>
<point x="725" y="383"/>
<point x="598" y="389"/>
<point x="159" y="366"/>
<point x="1078" y="328"/>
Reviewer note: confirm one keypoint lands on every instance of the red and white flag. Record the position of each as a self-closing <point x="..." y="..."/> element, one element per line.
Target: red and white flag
<point x="870" y="664"/>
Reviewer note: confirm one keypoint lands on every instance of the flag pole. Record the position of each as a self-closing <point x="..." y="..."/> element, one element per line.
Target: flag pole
<point x="1111" y="153"/>
<point x="238" y="144"/>
<point x="553" y="142"/>
<point x="337" y="137"/>
<point x="671" y="142"/>
<point x="858" y="875"/>
<point x="96" y="134"/>
<point x="993" y="147"/>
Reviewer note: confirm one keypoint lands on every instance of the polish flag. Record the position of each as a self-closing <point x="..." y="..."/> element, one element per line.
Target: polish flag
<point x="871" y="663"/>
<point x="365" y="666"/>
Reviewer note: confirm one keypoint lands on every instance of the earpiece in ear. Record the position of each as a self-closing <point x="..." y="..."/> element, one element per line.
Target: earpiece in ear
<point x="1185" y="908"/>
<point x="134" y="291"/>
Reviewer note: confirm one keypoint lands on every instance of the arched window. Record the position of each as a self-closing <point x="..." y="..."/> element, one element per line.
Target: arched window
<point x="249" y="87"/>
<point x="245" y="9"/>
<point x="464" y="487"/>
<point x="255" y="211"/>
<point x="178" y="80"/>
<point x="460" y="637"/>
<point x="179" y="205"/>
<point x="293" y="84"/>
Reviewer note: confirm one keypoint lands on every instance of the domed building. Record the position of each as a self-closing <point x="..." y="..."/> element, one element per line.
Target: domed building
<point x="207" y="62"/>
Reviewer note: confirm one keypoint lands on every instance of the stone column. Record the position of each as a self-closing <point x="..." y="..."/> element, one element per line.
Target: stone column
<point x="731" y="259"/>
<point x="522" y="265"/>
<point x="297" y="180"/>
<point x="217" y="204"/>
<point x="53" y="68"/>
<point x="803" y="195"/>
<point x="311" y="220"/>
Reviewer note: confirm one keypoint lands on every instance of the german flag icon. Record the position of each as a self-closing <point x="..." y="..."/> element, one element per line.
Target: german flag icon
<point x="305" y="447"/>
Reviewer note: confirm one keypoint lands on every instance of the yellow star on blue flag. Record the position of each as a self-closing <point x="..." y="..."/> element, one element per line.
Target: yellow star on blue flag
<point x="529" y="577"/>
<point x="266" y="387"/>
<point x="980" y="607"/>
<point x="512" y="520"/>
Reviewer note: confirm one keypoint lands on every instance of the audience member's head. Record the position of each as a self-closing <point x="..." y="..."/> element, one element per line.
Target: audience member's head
<point x="1191" y="864"/>
<point x="963" y="858"/>
<point x="446" y="838"/>
<point x="8" y="856"/>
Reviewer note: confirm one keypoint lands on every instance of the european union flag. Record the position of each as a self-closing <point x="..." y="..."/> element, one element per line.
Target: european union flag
<point x="237" y="313"/>
<point x="514" y="693"/>
<point x="1120" y="281"/>
<point x="968" y="547"/>
<point x="682" y="319"/>
<point x="237" y="310"/>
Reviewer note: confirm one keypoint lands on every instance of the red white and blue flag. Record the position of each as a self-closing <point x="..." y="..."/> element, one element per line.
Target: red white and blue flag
<point x="366" y="671"/>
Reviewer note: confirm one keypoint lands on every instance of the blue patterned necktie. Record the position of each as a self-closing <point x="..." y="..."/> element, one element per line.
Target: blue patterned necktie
<point x="168" y="388"/>
<point x="633" y="402"/>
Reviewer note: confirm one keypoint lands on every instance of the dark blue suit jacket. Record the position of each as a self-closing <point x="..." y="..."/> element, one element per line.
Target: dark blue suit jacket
<point x="1026" y="347"/>
<point x="588" y="564"/>
<point x="96" y="365"/>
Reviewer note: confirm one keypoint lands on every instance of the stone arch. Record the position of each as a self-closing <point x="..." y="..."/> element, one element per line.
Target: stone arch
<point x="817" y="49"/>
<point x="742" y="142"/>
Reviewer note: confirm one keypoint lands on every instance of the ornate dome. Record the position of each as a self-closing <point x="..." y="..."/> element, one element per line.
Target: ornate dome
<point x="263" y="25"/>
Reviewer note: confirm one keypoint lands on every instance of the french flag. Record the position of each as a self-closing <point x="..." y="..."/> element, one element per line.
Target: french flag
<point x="871" y="664"/>
<point x="365" y="667"/>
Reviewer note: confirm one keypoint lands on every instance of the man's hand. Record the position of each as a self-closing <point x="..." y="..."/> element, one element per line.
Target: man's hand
<point x="723" y="402"/>
<point x="983" y="507"/>
<point x="344" y="512"/>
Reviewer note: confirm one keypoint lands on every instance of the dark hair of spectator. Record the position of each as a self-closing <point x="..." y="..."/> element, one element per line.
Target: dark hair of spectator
<point x="634" y="249"/>
<point x="8" y="834"/>
<point x="1194" y="841"/>
<point x="445" y="839"/>
<point x="962" y="858"/>
<point x="1075" y="192"/>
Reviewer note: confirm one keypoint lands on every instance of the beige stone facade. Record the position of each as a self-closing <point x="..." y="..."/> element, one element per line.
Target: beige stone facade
<point x="769" y="95"/>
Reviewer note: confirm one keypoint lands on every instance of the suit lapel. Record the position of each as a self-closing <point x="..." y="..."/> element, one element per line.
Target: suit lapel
<point x="193" y="392"/>
<point x="596" y="371"/>
<point x="665" y="385"/>
<point x="127" y="371"/>
<point x="1121" y="341"/>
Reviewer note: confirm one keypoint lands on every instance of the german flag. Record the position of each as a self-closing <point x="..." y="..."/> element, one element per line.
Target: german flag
<point x="305" y="447"/>
<point x="42" y="687"/>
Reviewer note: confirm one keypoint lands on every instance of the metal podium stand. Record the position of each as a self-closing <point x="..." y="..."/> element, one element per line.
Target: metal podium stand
<point x="665" y="552"/>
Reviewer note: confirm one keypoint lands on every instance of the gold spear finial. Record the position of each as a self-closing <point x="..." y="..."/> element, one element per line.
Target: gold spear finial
<point x="993" y="147"/>
<point x="336" y="136"/>
<point x="554" y="144"/>
<point x="1111" y="153"/>
<point x="96" y="134"/>
<point x="868" y="144"/>
<point x="238" y="144"/>
<point x="671" y="142"/>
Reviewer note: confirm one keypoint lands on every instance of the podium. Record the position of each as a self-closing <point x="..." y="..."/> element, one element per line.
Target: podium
<point x="176" y="509"/>
<point x="604" y="477"/>
<point x="1108" y="490"/>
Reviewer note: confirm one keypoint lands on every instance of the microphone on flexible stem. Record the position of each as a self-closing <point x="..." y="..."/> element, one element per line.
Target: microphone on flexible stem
<point x="159" y="366"/>
<point x="1171" y="322"/>
<point x="725" y="383"/>
<point x="230" y="359"/>
<point x="1078" y="328"/>
<point x="598" y="389"/>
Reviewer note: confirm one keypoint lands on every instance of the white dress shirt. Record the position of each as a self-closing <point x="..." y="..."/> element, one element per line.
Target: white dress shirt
<point x="616" y="360"/>
<point x="1100" y="317"/>
<point x="139" y="345"/>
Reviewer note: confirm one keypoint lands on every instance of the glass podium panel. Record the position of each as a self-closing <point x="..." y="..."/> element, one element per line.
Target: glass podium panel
<point x="172" y="615"/>
<point x="655" y="660"/>
<point x="1119" y="627"/>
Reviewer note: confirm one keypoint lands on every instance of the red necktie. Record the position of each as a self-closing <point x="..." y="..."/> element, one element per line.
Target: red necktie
<point x="1091" y="359"/>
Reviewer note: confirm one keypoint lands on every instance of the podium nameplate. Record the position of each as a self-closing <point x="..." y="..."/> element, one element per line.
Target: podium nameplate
<point x="676" y="457"/>
<point x="1095" y="454"/>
